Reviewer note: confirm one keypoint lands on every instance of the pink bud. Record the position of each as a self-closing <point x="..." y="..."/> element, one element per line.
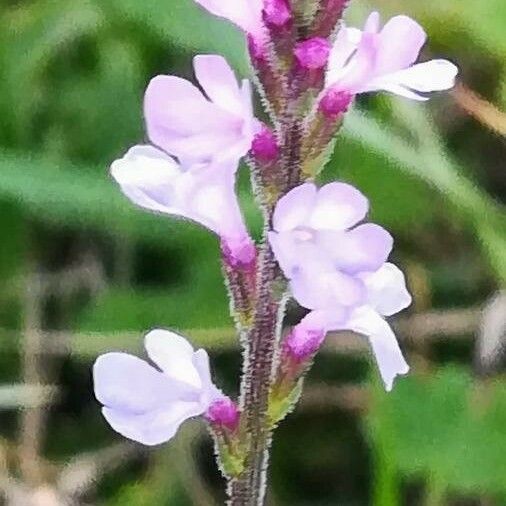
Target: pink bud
<point x="335" y="102"/>
<point x="276" y="13"/>
<point x="239" y="252"/>
<point x="265" y="147"/>
<point x="313" y="53"/>
<point x="224" y="413"/>
<point x="302" y="343"/>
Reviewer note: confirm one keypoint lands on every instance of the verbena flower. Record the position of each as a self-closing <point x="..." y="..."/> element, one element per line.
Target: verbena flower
<point x="318" y="226"/>
<point x="148" y="404"/>
<point x="385" y="295"/>
<point x="375" y="60"/>
<point x="198" y="127"/>
<point x="337" y="269"/>
<point x="203" y="193"/>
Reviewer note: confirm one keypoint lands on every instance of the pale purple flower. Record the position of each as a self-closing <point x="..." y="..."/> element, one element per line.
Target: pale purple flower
<point x="203" y="193"/>
<point x="385" y="295"/>
<point x="148" y="404"/>
<point x="384" y="60"/>
<point x="245" y="14"/>
<point x="338" y="269"/>
<point x="318" y="227"/>
<point x="197" y="127"/>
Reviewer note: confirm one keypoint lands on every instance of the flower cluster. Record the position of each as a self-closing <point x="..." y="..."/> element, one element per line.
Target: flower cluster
<point x="316" y="241"/>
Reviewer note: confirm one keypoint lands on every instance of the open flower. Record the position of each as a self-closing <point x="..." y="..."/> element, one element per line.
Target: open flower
<point x="148" y="404"/>
<point x="315" y="233"/>
<point x="246" y="14"/>
<point x="385" y="295"/>
<point x="375" y="60"/>
<point x="203" y="193"/>
<point x="339" y="270"/>
<point x="195" y="127"/>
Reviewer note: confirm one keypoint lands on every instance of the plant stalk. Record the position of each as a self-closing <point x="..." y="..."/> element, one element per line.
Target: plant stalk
<point x="249" y="488"/>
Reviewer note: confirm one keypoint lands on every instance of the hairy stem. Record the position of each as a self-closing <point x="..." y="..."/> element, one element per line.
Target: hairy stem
<point x="249" y="488"/>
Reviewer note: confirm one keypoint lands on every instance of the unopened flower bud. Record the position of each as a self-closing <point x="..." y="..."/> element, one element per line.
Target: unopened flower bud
<point x="313" y="53"/>
<point x="265" y="148"/>
<point x="277" y="13"/>
<point x="335" y="102"/>
<point x="224" y="413"/>
<point x="239" y="253"/>
<point x="302" y="343"/>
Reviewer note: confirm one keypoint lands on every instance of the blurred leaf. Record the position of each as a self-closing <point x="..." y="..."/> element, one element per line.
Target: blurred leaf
<point x="444" y="427"/>
<point x="188" y="26"/>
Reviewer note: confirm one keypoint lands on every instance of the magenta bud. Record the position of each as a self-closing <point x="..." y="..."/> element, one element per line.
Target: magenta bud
<point x="313" y="53"/>
<point x="277" y="13"/>
<point x="302" y="343"/>
<point x="265" y="146"/>
<point x="335" y="102"/>
<point x="224" y="413"/>
<point x="239" y="252"/>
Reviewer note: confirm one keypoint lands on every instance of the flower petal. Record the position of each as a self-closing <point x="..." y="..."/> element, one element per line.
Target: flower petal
<point x="364" y="248"/>
<point x="146" y="176"/>
<point x="346" y="43"/>
<point x="246" y="14"/>
<point x="212" y="200"/>
<point x="359" y="69"/>
<point x="386" y="288"/>
<point x="389" y="358"/>
<point x="314" y="287"/>
<point x="209" y="391"/>
<point x="154" y="427"/>
<point x="400" y="42"/>
<point x="434" y="75"/>
<point x="173" y="354"/>
<point x="112" y="377"/>
<point x="338" y="207"/>
<point x="183" y="122"/>
<point x="294" y="208"/>
<point x="219" y="82"/>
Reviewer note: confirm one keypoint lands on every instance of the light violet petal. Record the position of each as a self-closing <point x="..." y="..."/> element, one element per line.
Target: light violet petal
<point x="434" y="75"/>
<point x="173" y="354"/>
<point x="372" y="23"/>
<point x="315" y="288"/>
<point x="386" y="289"/>
<point x="219" y="82"/>
<point x="400" y="42"/>
<point x="153" y="427"/>
<point x="294" y="208"/>
<point x="176" y="111"/>
<point x="209" y="391"/>
<point x="338" y="207"/>
<point x="112" y="378"/>
<point x="360" y="68"/>
<point x="146" y="176"/>
<point x="246" y="14"/>
<point x="346" y="43"/>
<point x="212" y="200"/>
<point x="401" y="91"/>
<point x="389" y="358"/>
<point x="283" y="246"/>
<point x="325" y="320"/>
<point x="364" y="248"/>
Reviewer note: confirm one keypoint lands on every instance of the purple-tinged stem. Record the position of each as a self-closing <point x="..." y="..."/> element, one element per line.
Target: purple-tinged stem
<point x="249" y="488"/>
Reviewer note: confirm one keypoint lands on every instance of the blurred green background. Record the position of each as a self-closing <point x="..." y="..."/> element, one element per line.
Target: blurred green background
<point x="83" y="272"/>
